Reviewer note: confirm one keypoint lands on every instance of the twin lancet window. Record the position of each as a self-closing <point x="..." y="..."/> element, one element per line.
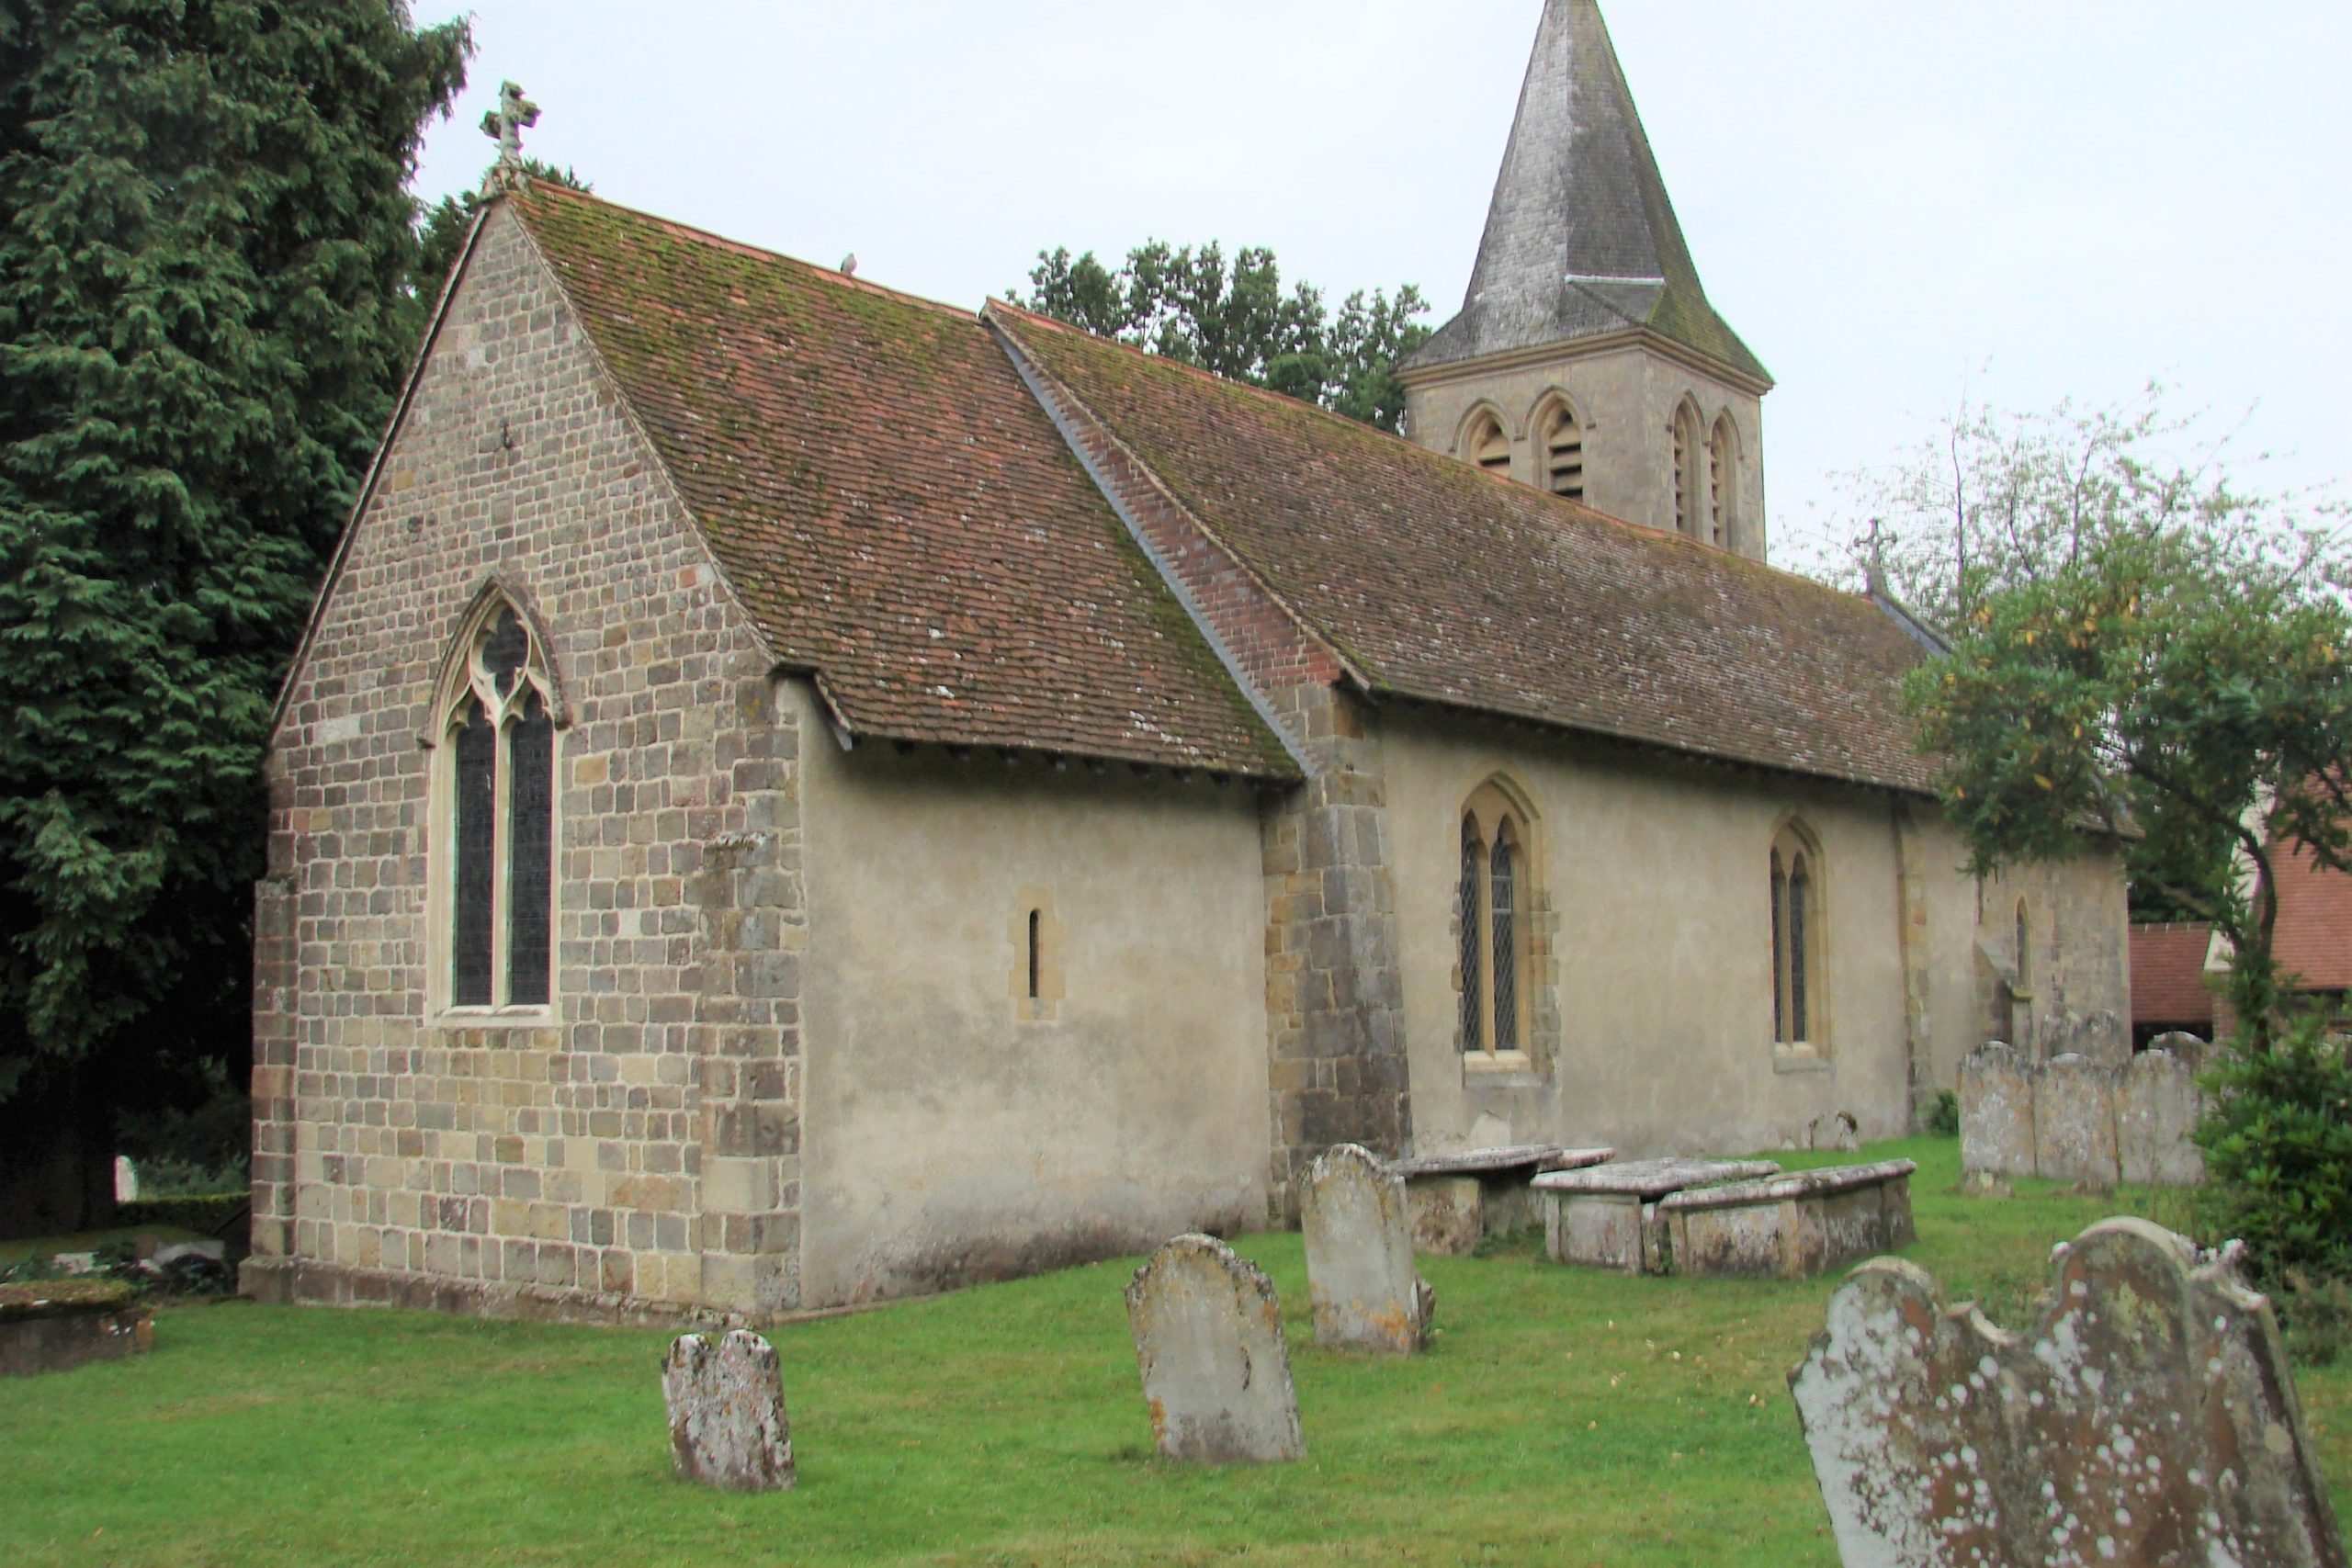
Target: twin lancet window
<point x="1559" y="448"/>
<point x="1796" y="940"/>
<point x="498" y="731"/>
<point x="1492" y="899"/>
<point x="1705" y="475"/>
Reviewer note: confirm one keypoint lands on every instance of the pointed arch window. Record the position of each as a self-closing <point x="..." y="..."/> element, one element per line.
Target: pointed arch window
<point x="1562" y="446"/>
<point x="1722" y="481"/>
<point x="1493" y="896"/>
<point x="1487" y="445"/>
<point x="1684" y="443"/>
<point x="1798" y="945"/>
<point x="495" y="834"/>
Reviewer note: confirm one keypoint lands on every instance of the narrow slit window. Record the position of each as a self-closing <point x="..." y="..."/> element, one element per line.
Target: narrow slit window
<point x="1799" y="944"/>
<point x="1035" y="949"/>
<point x="1722" y="474"/>
<point x="530" y="750"/>
<point x="1474" y="1003"/>
<point x="1799" y="979"/>
<point x="1780" y="950"/>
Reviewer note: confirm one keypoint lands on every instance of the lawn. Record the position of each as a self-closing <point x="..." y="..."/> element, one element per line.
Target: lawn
<point x="1562" y="1417"/>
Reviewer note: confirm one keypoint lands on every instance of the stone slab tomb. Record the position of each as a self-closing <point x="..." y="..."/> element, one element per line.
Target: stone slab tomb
<point x="2146" y="1417"/>
<point x="1459" y="1198"/>
<point x="1793" y="1226"/>
<point x="1606" y="1217"/>
<point x="51" y="1325"/>
<point x="1359" y="1236"/>
<point x="1208" y="1334"/>
<point x="726" y="1422"/>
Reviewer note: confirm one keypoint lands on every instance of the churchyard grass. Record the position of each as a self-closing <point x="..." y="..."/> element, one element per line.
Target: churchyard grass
<point x="1561" y="1416"/>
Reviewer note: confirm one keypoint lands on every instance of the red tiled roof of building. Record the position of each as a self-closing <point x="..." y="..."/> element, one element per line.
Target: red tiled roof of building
<point x="2169" y="974"/>
<point x="2313" y="943"/>
<point x="1443" y="583"/>
<point x="894" y="510"/>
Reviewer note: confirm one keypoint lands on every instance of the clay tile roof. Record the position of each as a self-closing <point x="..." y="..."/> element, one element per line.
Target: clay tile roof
<point x="893" y="509"/>
<point x="2168" y="973"/>
<point x="2314" y="943"/>
<point x="1444" y="583"/>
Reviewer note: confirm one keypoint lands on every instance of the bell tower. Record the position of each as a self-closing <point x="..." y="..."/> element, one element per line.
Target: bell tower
<point x="1586" y="360"/>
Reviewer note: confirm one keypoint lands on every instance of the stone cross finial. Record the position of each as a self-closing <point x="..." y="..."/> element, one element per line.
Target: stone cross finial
<point x="505" y="125"/>
<point x="1875" y="570"/>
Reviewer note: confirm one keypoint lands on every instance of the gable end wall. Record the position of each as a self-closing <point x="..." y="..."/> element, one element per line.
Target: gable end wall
<point x="640" y="1155"/>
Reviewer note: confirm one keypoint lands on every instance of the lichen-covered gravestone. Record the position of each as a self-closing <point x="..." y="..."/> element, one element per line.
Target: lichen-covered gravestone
<point x="1359" y="1276"/>
<point x="2073" y="1123"/>
<point x="2157" y="1107"/>
<point x="726" y="1420"/>
<point x="1995" y="1112"/>
<point x="2146" y="1417"/>
<point x="1208" y="1334"/>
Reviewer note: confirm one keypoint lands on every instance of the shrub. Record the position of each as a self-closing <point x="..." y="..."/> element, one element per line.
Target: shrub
<point x="2277" y="1141"/>
<point x="1944" y="1122"/>
<point x="2318" y="1314"/>
<point x="211" y="1216"/>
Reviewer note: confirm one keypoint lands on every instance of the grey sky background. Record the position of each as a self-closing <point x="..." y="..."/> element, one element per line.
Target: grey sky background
<point x="2028" y="199"/>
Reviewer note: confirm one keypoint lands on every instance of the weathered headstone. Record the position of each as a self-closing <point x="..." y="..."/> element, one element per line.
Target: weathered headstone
<point x="1359" y="1233"/>
<point x="1996" y="1112"/>
<point x="1208" y="1334"/>
<point x="2146" y="1417"/>
<point x="726" y="1420"/>
<point x="2156" y="1108"/>
<point x="2074" y="1121"/>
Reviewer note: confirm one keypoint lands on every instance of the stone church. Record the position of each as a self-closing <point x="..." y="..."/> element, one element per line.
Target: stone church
<point x="793" y="795"/>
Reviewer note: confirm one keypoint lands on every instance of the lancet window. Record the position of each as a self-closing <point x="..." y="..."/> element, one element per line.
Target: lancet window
<point x="498" y="828"/>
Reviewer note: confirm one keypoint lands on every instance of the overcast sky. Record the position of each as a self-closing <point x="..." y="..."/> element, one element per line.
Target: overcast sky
<point x="2034" y="198"/>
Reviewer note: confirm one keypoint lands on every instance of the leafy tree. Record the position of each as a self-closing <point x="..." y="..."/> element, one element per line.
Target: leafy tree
<point x="2191" y="683"/>
<point x="443" y="227"/>
<point x="205" y="244"/>
<point x="1237" y="321"/>
<point x="1994" y="500"/>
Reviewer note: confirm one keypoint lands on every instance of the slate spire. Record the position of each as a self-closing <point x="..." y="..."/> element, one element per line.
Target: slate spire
<point x="1582" y="238"/>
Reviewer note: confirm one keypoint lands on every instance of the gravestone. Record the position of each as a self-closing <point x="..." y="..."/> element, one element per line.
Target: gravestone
<point x="1606" y="1217"/>
<point x="1794" y="1226"/>
<point x="2156" y="1108"/>
<point x="726" y="1422"/>
<point x="1359" y="1233"/>
<point x="1208" y="1334"/>
<point x="1459" y="1198"/>
<point x="2074" y="1121"/>
<point x="1996" y="1112"/>
<point x="2146" y="1417"/>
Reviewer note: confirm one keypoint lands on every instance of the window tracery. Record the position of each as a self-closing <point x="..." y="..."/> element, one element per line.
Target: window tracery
<point x="498" y="827"/>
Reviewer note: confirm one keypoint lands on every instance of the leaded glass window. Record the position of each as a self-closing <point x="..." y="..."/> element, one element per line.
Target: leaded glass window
<point x="1504" y="920"/>
<point x="1797" y="939"/>
<point x="499" y="924"/>
<point x="1474" y="941"/>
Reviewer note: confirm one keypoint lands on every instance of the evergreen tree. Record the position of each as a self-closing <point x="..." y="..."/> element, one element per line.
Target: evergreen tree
<point x="205" y="244"/>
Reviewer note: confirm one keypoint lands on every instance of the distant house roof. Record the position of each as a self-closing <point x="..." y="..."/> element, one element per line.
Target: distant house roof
<point x="893" y="509"/>
<point x="2169" y="974"/>
<point x="2314" y="941"/>
<point x="1443" y="583"/>
<point x="1581" y="240"/>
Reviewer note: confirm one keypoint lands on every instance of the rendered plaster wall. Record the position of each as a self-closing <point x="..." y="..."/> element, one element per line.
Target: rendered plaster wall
<point x="632" y="1150"/>
<point x="956" y="1132"/>
<point x="1655" y="878"/>
<point x="1627" y="397"/>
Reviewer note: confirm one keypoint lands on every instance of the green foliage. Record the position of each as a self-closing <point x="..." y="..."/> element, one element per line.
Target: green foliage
<point x="1944" y="1121"/>
<point x="208" y="1213"/>
<point x="2277" y="1141"/>
<point x="442" y="229"/>
<point x="2169" y="672"/>
<point x="2318" y="1317"/>
<point x="1239" y="322"/>
<point x="203" y="318"/>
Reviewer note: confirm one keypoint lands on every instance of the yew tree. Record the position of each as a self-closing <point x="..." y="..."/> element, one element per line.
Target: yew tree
<point x="206" y="245"/>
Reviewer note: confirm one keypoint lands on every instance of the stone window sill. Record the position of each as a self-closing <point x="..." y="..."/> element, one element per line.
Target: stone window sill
<point x="1806" y="1058"/>
<point x="496" y="1018"/>
<point x="1500" y="1067"/>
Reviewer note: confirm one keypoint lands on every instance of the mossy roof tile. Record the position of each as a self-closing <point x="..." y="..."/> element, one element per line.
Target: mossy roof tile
<point x="892" y="508"/>
<point x="1446" y="584"/>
